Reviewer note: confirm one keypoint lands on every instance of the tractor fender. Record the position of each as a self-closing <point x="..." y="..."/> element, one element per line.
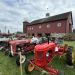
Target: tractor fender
<point x="20" y="60"/>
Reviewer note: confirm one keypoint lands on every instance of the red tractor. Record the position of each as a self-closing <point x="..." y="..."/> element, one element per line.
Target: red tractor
<point x="20" y="45"/>
<point x="23" y="46"/>
<point x="44" y="54"/>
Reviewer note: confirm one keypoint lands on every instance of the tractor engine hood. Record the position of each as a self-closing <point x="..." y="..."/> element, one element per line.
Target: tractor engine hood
<point x="45" y="46"/>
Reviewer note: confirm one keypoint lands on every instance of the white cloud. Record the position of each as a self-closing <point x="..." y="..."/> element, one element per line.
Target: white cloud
<point x="14" y="12"/>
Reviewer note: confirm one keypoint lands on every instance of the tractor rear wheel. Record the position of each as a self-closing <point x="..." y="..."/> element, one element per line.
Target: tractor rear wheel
<point x="28" y="67"/>
<point x="6" y="52"/>
<point x="18" y="60"/>
<point x="70" y="56"/>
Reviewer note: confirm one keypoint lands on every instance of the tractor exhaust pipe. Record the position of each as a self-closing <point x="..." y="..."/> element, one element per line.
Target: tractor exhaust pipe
<point x="48" y="39"/>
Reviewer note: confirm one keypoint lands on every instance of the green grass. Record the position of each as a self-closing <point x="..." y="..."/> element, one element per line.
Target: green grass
<point x="70" y="43"/>
<point x="8" y="65"/>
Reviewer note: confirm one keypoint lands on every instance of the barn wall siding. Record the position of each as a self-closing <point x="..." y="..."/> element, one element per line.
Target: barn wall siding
<point x="52" y="29"/>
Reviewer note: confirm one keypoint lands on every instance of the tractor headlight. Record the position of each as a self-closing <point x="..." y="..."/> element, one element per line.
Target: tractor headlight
<point x="47" y="54"/>
<point x="56" y="49"/>
<point x="19" y="49"/>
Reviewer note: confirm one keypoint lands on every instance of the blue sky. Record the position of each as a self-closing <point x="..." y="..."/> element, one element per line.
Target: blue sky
<point x="14" y="12"/>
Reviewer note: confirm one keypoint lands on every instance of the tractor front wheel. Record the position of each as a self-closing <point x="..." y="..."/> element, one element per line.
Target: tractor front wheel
<point x="28" y="67"/>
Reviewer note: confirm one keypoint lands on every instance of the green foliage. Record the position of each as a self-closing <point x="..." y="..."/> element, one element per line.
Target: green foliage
<point x="18" y="32"/>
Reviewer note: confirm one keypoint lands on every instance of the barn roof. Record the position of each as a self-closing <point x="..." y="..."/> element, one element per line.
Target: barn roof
<point x="52" y="18"/>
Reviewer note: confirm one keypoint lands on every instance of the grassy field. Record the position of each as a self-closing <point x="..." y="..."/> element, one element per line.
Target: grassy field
<point x="70" y="43"/>
<point x="8" y="65"/>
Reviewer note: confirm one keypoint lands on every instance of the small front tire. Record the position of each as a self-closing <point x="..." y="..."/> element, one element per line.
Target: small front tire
<point x="28" y="67"/>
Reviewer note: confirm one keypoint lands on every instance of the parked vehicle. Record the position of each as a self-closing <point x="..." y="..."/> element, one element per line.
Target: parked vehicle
<point x="20" y="45"/>
<point x="44" y="54"/>
<point x="4" y="45"/>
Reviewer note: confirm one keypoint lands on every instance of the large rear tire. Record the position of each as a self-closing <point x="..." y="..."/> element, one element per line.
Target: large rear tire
<point x="28" y="67"/>
<point x="6" y="52"/>
<point x="18" y="60"/>
<point x="70" y="56"/>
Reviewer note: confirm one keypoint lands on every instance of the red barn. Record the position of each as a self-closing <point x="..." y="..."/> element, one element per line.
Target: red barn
<point x="61" y="23"/>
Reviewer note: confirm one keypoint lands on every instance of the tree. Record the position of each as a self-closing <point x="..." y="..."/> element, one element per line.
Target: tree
<point x="18" y="32"/>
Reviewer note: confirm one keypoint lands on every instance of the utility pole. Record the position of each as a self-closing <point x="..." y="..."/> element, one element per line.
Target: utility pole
<point x="8" y="31"/>
<point x="0" y="31"/>
<point x="5" y="29"/>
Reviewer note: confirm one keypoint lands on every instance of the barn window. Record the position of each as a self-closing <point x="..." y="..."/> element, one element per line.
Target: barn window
<point x="40" y="27"/>
<point x="32" y="28"/>
<point x="48" y="25"/>
<point x="59" y="25"/>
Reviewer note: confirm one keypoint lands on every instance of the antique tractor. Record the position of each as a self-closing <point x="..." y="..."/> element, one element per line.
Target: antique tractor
<point x="4" y="45"/>
<point x="44" y="54"/>
<point x="23" y="46"/>
<point x="20" y="45"/>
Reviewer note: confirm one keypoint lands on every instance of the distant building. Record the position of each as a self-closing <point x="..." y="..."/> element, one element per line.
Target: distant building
<point x="61" y="23"/>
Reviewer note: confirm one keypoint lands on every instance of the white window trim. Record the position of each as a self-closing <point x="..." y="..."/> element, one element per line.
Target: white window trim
<point x="48" y="25"/>
<point x="32" y="28"/>
<point x="40" y="27"/>
<point x="58" y="24"/>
